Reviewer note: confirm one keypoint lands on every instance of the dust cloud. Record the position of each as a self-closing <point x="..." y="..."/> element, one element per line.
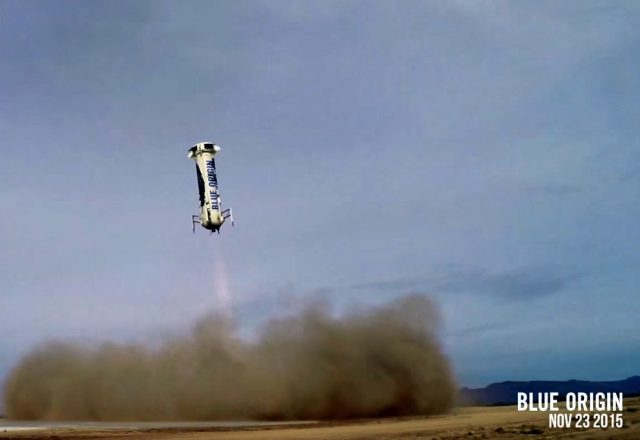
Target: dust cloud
<point x="369" y="362"/>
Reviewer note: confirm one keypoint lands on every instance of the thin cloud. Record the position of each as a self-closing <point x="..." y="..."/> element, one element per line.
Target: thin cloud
<point x="555" y="189"/>
<point x="518" y="284"/>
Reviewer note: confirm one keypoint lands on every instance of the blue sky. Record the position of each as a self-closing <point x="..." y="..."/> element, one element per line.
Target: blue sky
<point x="486" y="153"/>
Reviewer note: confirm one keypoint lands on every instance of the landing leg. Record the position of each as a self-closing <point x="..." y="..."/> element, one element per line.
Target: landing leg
<point x="228" y="214"/>
<point x="194" y="219"/>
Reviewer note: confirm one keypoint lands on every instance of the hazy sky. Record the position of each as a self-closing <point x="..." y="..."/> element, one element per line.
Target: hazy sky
<point x="484" y="152"/>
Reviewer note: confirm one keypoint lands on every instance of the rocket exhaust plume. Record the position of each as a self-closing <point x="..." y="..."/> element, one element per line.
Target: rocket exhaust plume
<point x="221" y="280"/>
<point x="369" y="362"/>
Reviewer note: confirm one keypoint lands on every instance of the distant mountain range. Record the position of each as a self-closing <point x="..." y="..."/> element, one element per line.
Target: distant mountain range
<point x="505" y="393"/>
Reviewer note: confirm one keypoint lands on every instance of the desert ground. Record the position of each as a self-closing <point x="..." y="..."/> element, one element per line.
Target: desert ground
<point x="501" y="422"/>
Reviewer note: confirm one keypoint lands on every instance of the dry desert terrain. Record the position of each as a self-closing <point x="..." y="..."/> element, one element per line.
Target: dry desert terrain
<point x="502" y="422"/>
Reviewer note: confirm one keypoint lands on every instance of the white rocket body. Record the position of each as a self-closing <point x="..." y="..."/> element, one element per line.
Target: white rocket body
<point x="211" y="214"/>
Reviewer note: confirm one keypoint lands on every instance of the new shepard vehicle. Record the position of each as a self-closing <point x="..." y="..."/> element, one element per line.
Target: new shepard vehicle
<point x="211" y="214"/>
